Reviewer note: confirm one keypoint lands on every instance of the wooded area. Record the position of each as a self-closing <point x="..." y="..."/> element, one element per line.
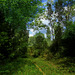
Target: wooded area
<point x="17" y="48"/>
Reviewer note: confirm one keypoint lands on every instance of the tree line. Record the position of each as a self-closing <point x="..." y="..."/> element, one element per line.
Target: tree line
<point x="14" y="16"/>
<point x="60" y="31"/>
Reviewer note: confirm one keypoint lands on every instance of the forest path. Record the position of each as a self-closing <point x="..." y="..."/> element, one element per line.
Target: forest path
<point x="40" y="69"/>
<point x="32" y="66"/>
<point x="47" y="67"/>
<point x="40" y="66"/>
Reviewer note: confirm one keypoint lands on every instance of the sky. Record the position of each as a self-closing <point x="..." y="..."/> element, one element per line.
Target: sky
<point x="32" y="32"/>
<point x="44" y="1"/>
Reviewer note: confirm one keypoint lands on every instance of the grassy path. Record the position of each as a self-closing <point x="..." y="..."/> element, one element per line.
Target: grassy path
<point x="40" y="69"/>
<point x="50" y="68"/>
<point x="47" y="67"/>
<point x="40" y="66"/>
<point x="32" y="66"/>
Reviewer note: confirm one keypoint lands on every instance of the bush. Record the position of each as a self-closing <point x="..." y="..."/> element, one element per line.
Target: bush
<point x="36" y="53"/>
<point x="49" y="56"/>
<point x="68" y="40"/>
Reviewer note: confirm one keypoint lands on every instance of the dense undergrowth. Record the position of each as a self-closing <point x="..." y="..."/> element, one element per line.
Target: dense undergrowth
<point x="27" y="66"/>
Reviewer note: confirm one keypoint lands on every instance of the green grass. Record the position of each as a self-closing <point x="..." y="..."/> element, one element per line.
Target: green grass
<point x="22" y="66"/>
<point x="51" y="68"/>
<point x="28" y="70"/>
<point x="65" y="64"/>
<point x="47" y="67"/>
<point x="26" y="66"/>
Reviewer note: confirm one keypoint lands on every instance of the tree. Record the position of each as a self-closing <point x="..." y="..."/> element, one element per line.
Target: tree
<point x="15" y="15"/>
<point x="68" y="39"/>
<point x="40" y="44"/>
<point x="62" y="14"/>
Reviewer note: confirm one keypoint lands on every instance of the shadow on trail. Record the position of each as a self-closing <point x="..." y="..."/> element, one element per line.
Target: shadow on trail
<point x="12" y="67"/>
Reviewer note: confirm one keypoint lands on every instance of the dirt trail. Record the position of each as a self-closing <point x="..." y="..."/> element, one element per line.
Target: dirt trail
<point x="40" y="69"/>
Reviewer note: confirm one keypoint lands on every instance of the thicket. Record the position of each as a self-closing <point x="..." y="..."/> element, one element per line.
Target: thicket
<point x="60" y="30"/>
<point x="68" y="39"/>
<point x="14" y="16"/>
<point x="38" y="44"/>
<point x="12" y="44"/>
<point x="63" y="30"/>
